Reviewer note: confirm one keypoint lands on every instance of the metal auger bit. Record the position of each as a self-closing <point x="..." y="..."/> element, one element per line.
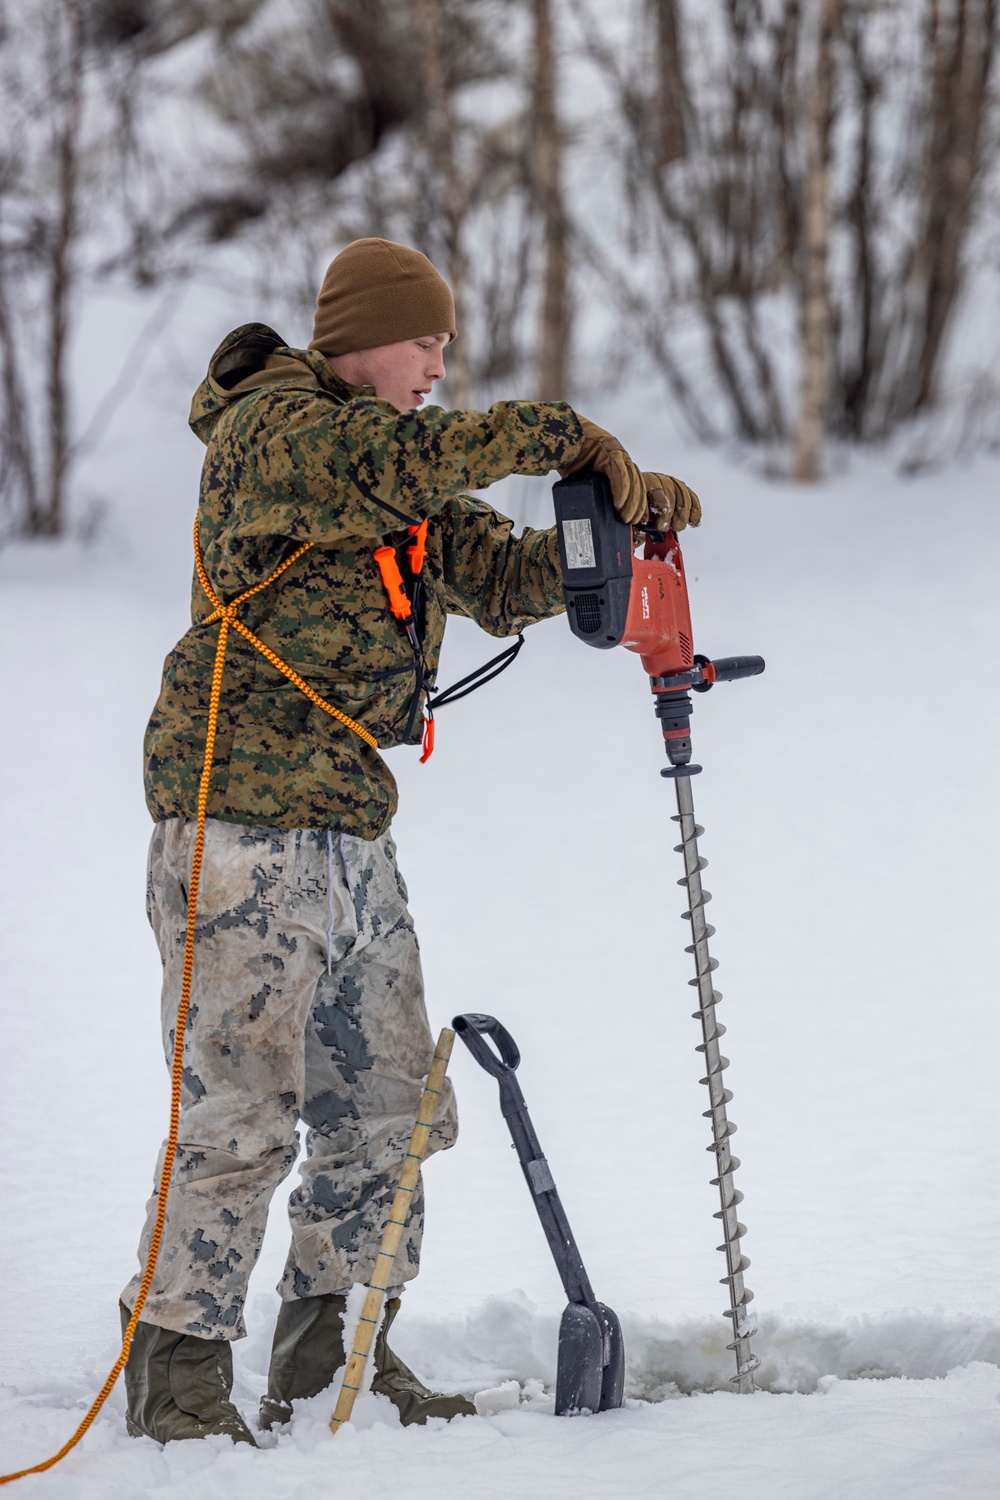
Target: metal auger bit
<point x="719" y="1096"/>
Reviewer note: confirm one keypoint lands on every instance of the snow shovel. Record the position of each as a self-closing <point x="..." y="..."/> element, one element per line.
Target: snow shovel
<point x="591" y="1366"/>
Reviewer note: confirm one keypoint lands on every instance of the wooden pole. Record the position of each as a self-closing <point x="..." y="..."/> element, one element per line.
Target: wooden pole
<point x="371" y="1313"/>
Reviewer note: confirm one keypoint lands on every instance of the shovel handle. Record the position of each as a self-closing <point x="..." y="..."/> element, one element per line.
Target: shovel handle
<point x="477" y="1031"/>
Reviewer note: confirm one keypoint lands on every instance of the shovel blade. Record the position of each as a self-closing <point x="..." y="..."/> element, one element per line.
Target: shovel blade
<point x="580" y="1371"/>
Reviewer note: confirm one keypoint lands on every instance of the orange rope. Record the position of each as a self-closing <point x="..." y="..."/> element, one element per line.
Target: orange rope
<point x="225" y="614"/>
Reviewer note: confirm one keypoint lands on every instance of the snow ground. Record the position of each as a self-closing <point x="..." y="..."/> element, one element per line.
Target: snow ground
<point x="851" y="811"/>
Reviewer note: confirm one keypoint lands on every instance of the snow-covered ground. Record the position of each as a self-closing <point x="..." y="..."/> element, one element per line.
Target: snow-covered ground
<point x="851" y="813"/>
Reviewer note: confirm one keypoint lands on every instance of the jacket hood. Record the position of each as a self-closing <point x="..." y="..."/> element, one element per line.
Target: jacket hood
<point x="254" y="357"/>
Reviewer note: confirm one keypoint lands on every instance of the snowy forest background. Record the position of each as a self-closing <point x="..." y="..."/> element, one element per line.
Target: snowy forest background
<point x="782" y="213"/>
<point x="757" y="240"/>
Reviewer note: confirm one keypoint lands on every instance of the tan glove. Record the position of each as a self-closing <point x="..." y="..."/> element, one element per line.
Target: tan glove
<point x="605" y="453"/>
<point x="672" y="506"/>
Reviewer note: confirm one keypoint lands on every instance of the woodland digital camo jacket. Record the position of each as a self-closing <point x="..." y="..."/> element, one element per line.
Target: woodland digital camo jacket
<point x="295" y="454"/>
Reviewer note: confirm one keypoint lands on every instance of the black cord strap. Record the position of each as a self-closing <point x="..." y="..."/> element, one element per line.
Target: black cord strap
<point x="477" y="679"/>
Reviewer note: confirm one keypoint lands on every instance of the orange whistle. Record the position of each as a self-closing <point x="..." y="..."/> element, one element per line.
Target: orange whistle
<point x="428" y="745"/>
<point x="392" y="580"/>
<point x="417" y="550"/>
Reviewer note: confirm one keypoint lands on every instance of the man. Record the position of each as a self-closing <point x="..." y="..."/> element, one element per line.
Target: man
<point x="306" y="993"/>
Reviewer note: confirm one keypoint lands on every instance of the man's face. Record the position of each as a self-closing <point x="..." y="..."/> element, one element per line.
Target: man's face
<point x="402" y="373"/>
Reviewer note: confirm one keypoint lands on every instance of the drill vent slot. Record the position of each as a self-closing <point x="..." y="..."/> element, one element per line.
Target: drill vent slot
<point x="687" y="655"/>
<point x="588" y="613"/>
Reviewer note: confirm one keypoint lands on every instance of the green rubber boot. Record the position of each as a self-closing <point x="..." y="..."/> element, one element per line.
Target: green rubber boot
<point x="307" y="1352"/>
<point x="411" y="1398"/>
<point x="178" y="1386"/>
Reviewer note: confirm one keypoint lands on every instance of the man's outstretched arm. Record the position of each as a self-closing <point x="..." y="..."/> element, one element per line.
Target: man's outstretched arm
<point x="328" y="473"/>
<point x="502" y="582"/>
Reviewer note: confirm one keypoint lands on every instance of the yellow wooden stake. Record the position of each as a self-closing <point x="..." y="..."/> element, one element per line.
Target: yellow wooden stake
<point x="371" y="1313"/>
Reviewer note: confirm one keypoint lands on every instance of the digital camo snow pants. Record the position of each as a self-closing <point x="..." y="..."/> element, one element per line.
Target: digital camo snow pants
<point x="307" y="1003"/>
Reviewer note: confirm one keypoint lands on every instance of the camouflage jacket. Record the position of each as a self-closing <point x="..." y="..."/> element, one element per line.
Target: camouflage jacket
<point x="295" y="454"/>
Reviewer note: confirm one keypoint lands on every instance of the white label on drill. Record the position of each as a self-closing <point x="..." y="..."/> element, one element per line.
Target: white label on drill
<point x="578" y="540"/>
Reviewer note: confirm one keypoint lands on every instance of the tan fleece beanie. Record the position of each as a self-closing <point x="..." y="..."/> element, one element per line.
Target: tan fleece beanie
<point x="376" y="292"/>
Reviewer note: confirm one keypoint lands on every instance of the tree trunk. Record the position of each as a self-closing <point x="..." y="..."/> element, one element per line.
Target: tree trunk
<point x="18" y="479"/>
<point x="452" y="195"/>
<point x="66" y="58"/>
<point x="814" y="288"/>
<point x="962" y="45"/>
<point x="863" y="342"/>
<point x="671" y="89"/>
<point x="553" y="354"/>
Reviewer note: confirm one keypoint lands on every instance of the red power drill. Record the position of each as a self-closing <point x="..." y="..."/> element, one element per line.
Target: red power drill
<point x="616" y="599"/>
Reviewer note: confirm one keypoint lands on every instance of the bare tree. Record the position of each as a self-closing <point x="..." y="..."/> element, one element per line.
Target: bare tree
<point x="452" y="191"/>
<point x="40" y="195"/>
<point x="71" y="72"/>
<point x="65" y="51"/>
<point x="841" y="178"/>
<point x="923" y="207"/>
<point x="814" y="273"/>
<point x="671" y="99"/>
<point x="960" y="48"/>
<point x="554" y="332"/>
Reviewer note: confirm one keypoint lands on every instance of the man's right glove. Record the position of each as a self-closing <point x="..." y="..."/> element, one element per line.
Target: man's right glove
<point x="605" y="453"/>
<point x="672" y="506"/>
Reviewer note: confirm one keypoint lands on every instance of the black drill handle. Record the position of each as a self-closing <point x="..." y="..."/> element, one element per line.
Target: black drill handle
<point x="474" y="1029"/>
<point x="728" y="668"/>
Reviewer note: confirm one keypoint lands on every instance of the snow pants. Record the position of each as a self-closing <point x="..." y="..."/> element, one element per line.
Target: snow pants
<point x="307" y="1003"/>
